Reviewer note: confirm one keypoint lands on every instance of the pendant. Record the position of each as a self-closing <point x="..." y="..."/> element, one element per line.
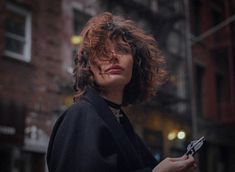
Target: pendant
<point x="117" y="114"/>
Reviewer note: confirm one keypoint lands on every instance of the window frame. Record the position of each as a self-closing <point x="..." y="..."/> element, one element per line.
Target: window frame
<point x="26" y="56"/>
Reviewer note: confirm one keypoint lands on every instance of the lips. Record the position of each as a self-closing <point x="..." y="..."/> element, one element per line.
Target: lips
<point x="114" y="69"/>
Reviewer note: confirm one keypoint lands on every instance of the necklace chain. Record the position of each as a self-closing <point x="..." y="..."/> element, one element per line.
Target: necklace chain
<point x="115" y="108"/>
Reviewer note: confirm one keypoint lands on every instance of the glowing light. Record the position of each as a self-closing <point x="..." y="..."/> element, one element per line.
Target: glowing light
<point x="181" y="135"/>
<point x="76" y="39"/>
<point x="171" y="135"/>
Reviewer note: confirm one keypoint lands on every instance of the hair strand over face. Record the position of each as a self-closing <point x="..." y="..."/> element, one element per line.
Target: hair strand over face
<point x="148" y="68"/>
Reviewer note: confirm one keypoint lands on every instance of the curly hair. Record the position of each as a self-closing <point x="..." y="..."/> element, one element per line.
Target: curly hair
<point x="148" y="68"/>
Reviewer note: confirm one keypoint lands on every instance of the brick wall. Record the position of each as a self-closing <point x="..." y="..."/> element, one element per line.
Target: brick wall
<point x="214" y="53"/>
<point x="36" y="84"/>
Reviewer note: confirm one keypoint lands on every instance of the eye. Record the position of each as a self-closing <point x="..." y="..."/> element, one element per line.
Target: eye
<point x="122" y="50"/>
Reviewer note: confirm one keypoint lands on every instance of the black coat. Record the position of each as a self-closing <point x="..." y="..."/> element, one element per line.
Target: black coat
<point x="87" y="137"/>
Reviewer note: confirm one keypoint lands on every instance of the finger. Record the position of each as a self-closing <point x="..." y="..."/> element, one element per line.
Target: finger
<point x="184" y="164"/>
<point x="190" y="162"/>
<point x="184" y="157"/>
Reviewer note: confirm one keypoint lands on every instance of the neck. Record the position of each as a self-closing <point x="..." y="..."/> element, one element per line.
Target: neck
<point x="114" y="96"/>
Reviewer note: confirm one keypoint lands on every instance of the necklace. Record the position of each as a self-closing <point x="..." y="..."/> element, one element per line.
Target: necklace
<point x="116" y="109"/>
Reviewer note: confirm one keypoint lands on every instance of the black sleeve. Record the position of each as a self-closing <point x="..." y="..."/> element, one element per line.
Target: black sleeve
<point x="146" y="154"/>
<point x="80" y="142"/>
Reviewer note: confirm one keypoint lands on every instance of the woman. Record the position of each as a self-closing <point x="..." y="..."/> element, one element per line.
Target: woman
<point x="117" y="65"/>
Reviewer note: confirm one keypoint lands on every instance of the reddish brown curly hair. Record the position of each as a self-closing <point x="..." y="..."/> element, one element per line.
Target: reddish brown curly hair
<point x="148" y="68"/>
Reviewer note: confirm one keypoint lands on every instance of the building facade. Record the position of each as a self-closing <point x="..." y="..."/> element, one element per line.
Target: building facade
<point x="32" y="81"/>
<point x="40" y="39"/>
<point x="213" y="30"/>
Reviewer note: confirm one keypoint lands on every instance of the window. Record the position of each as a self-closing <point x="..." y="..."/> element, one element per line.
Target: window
<point x="196" y="9"/>
<point x="219" y="83"/>
<point x="79" y="20"/>
<point x="217" y="10"/>
<point x="154" y="139"/>
<point x="17" y="33"/>
<point x="199" y="76"/>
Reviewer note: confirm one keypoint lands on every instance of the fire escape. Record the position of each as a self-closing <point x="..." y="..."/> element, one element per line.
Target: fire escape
<point x="166" y="21"/>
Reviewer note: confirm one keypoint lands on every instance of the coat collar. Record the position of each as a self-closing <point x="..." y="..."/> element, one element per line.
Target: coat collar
<point x="121" y="138"/>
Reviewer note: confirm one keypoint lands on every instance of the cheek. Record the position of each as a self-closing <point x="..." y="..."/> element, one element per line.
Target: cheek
<point x="97" y="74"/>
<point x="129" y="68"/>
<point x="95" y="70"/>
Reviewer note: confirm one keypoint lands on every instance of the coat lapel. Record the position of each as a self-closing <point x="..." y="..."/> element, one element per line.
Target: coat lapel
<point x="121" y="138"/>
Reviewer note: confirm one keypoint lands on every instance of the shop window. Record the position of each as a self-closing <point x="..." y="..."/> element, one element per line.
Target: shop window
<point x="154" y="139"/>
<point x="5" y="158"/>
<point x="17" y="33"/>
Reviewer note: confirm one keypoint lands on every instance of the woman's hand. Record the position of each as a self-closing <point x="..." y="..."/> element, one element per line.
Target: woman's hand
<point x="181" y="164"/>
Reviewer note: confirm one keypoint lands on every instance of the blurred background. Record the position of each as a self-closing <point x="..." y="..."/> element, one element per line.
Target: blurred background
<point x="38" y="40"/>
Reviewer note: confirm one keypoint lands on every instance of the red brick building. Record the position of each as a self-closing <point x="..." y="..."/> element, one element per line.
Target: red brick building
<point x="36" y="60"/>
<point x="213" y="45"/>
<point x="33" y="80"/>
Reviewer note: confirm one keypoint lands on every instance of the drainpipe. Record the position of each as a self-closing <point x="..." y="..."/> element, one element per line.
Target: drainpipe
<point x="189" y="59"/>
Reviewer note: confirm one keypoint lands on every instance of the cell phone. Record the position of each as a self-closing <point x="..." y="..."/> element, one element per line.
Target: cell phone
<point x="194" y="146"/>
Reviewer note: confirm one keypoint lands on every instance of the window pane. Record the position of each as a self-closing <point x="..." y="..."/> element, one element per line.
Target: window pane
<point x="199" y="76"/>
<point x="14" y="45"/>
<point x="79" y="21"/>
<point x="15" y="23"/>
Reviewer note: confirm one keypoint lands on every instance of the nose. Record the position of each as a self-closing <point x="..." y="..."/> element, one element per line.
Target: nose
<point x="114" y="57"/>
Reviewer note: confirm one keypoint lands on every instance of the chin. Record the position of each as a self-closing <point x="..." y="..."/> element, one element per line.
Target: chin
<point x="120" y="82"/>
<point x="114" y="81"/>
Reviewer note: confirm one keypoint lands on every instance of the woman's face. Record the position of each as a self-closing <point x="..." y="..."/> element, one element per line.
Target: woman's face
<point x="116" y="72"/>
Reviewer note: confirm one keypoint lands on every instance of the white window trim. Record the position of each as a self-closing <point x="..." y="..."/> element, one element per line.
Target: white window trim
<point x="79" y="6"/>
<point x="28" y="32"/>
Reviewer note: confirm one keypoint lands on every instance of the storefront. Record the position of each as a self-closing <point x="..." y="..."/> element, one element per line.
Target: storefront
<point x="163" y="133"/>
<point x="12" y="124"/>
<point x="22" y="149"/>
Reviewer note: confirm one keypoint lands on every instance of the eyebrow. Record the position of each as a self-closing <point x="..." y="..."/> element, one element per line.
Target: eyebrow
<point x="122" y="43"/>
